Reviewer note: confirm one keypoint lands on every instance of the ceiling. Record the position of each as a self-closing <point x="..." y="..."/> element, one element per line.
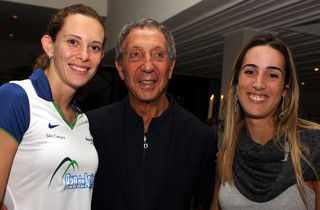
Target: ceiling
<point x="200" y="41"/>
<point x="199" y="31"/>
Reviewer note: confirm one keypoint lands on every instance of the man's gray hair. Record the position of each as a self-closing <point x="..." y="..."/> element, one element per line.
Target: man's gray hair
<point x="141" y="24"/>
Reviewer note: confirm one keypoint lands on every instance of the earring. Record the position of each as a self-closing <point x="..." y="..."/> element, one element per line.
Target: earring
<point x="282" y="115"/>
<point x="50" y="55"/>
<point x="236" y="100"/>
<point x="286" y="151"/>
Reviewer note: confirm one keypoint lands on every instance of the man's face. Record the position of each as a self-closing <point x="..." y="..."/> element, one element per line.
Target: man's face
<point x="145" y="68"/>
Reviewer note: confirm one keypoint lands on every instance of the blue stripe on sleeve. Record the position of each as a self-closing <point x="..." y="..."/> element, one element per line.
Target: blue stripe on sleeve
<point x="14" y="110"/>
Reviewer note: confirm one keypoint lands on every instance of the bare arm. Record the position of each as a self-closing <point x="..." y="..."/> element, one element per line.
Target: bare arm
<point x="8" y="148"/>
<point x="316" y="185"/>
<point x="215" y="201"/>
<point x="3" y="207"/>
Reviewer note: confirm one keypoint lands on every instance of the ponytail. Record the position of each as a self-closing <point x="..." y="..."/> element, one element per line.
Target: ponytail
<point x="41" y="62"/>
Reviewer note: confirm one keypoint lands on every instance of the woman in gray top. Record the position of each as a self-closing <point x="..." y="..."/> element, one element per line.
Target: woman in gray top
<point x="270" y="158"/>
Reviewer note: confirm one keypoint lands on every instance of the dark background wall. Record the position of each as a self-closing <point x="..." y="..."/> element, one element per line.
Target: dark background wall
<point x="192" y="93"/>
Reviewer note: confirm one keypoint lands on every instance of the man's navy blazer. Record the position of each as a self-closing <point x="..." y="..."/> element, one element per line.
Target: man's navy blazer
<point x="189" y="174"/>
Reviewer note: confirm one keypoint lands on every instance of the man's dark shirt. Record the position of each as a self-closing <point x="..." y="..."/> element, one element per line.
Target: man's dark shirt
<point x="146" y="163"/>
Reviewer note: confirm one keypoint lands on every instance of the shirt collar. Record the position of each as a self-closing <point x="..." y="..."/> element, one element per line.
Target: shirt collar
<point x="41" y="85"/>
<point x="162" y="124"/>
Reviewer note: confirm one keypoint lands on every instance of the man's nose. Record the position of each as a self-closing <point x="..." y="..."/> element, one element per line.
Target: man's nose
<point x="148" y="65"/>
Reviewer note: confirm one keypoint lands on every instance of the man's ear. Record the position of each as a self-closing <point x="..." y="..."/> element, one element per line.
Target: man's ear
<point x="119" y="68"/>
<point x="47" y="44"/>
<point x="171" y="68"/>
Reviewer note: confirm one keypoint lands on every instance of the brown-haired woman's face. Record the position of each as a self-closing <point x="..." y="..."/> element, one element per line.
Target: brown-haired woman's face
<point x="261" y="82"/>
<point x="78" y="50"/>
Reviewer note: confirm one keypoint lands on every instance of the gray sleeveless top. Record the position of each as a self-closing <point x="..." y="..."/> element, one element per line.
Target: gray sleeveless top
<point x="231" y="199"/>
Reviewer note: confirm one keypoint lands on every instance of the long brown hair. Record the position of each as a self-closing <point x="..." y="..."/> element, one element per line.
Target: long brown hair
<point x="56" y="23"/>
<point x="286" y="126"/>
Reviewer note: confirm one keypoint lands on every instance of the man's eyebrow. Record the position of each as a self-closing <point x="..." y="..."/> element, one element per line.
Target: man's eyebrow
<point x="135" y="47"/>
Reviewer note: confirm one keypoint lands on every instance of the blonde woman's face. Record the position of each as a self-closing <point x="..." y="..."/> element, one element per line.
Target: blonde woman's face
<point x="77" y="50"/>
<point x="261" y="82"/>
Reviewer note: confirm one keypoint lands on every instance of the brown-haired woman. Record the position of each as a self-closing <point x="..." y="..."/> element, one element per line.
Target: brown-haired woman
<point x="270" y="158"/>
<point x="48" y="160"/>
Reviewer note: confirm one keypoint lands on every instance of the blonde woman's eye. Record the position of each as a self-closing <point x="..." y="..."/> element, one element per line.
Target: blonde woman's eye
<point x="96" y="48"/>
<point x="72" y="41"/>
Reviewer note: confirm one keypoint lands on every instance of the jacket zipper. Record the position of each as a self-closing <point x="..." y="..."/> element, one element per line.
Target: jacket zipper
<point x="145" y="147"/>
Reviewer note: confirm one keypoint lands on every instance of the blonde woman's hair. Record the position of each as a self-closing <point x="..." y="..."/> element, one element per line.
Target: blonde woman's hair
<point x="287" y="126"/>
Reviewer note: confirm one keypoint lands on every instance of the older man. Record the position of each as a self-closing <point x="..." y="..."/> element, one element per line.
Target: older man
<point x="153" y="154"/>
